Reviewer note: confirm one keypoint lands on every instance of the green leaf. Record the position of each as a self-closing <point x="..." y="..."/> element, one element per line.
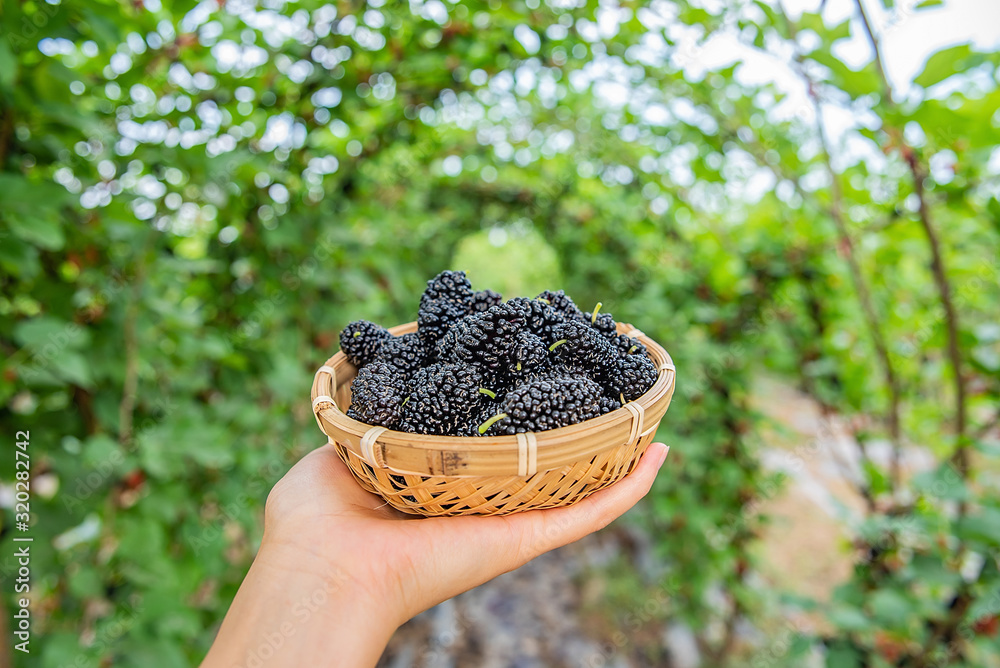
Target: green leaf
<point x="8" y="67"/>
<point x="842" y="655"/>
<point x="854" y="82"/>
<point x="927" y="4"/>
<point x="890" y="607"/>
<point x="983" y="527"/>
<point x="943" y="482"/>
<point x="849" y="618"/>
<point x="944" y="64"/>
<point x="814" y="21"/>
<point x="39" y="230"/>
<point x="73" y="368"/>
<point x="878" y="481"/>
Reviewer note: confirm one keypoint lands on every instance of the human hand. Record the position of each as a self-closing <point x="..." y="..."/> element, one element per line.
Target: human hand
<point x="339" y="570"/>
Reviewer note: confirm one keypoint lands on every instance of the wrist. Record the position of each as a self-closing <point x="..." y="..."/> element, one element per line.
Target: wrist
<point x="294" y="609"/>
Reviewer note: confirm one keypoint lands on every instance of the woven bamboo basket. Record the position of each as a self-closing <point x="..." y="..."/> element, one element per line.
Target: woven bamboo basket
<point x="496" y="475"/>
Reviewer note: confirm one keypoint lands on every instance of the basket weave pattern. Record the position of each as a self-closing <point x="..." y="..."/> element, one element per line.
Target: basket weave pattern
<point x="497" y="475"/>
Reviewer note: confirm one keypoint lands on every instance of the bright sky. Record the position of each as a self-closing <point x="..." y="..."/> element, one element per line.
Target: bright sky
<point x="908" y="37"/>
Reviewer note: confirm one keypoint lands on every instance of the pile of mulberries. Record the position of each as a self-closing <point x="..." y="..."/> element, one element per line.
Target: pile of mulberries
<point x="481" y="366"/>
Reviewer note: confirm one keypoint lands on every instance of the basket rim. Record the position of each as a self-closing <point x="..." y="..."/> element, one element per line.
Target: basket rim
<point x="472" y="456"/>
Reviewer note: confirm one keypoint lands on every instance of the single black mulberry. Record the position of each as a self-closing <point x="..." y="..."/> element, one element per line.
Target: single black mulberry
<point x="561" y="302"/>
<point x="447" y="299"/>
<point x="487" y="409"/>
<point x="485" y="341"/>
<point x="377" y="395"/>
<point x="442" y="398"/>
<point x="609" y="404"/>
<point x="548" y="402"/>
<point x="450" y="286"/>
<point x="627" y="345"/>
<point x="361" y="341"/>
<point x="484" y="299"/>
<point x="630" y="376"/>
<point x="406" y="352"/>
<point x="578" y="344"/>
<point x="541" y="318"/>
<point x="435" y="318"/>
<point x="529" y="356"/>
<point x="605" y="324"/>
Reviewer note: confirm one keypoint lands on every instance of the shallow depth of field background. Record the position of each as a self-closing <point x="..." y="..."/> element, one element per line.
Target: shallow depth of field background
<point x="194" y="199"/>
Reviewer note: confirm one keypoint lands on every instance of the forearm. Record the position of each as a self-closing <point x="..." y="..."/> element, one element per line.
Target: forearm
<point x="292" y="612"/>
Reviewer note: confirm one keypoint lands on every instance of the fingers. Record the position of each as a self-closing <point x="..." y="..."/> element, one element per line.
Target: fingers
<point x="526" y="535"/>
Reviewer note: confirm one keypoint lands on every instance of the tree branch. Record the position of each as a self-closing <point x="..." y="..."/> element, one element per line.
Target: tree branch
<point x="864" y="294"/>
<point x="857" y="275"/>
<point x="877" y="51"/>
<point x="6" y="132"/>
<point x="960" y="456"/>
<point x="130" y="385"/>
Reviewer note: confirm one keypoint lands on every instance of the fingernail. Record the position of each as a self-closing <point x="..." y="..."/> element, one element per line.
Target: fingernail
<point x="663" y="456"/>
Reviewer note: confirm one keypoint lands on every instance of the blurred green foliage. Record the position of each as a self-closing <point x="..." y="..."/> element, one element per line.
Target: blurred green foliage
<point x="511" y="260"/>
<point x="194" y="200"/>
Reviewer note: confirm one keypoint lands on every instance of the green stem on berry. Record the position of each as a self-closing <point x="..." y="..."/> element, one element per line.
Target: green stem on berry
<point x="490" y="393"/>
<point x="489" y="423"/>
<point x="356" y="335"/>
<point x="633" y="349"/>
<point x="518" y="367"/>
<point x="404" y="402"/>
<point x="543" y="300"/>
<point x="556" y="344"/>
<point x="593" y="316"/>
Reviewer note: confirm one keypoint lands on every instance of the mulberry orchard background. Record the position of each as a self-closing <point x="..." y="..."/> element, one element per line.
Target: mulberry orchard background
<point x="195" y="198"/>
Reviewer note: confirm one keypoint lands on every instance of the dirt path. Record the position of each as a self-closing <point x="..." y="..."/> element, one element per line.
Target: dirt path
<point x="523" y="619"/>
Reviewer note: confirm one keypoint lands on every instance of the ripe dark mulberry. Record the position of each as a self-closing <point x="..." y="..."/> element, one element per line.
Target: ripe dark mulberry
<point x="447" y="299"/>
<point x="529" y="356"/>
<point x="541" y="318"/>
<point x="626" y="345"/>
<point x="578" y="344"/>
<point x="361" y="341"/>
<point x="630" y="376"/>
<point x="377" y="395"/>
<point x="485" y="341"/>
<point x="484" y="299"/>
<point x="450" y="286"/>
<point x="561" y="302"/>
<point x="442" y="398"/>
<point x="608" y="404"/>
<point x="406" y="352"/>
<point x="548" y="402"/>
<point x="605" y="324"/>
